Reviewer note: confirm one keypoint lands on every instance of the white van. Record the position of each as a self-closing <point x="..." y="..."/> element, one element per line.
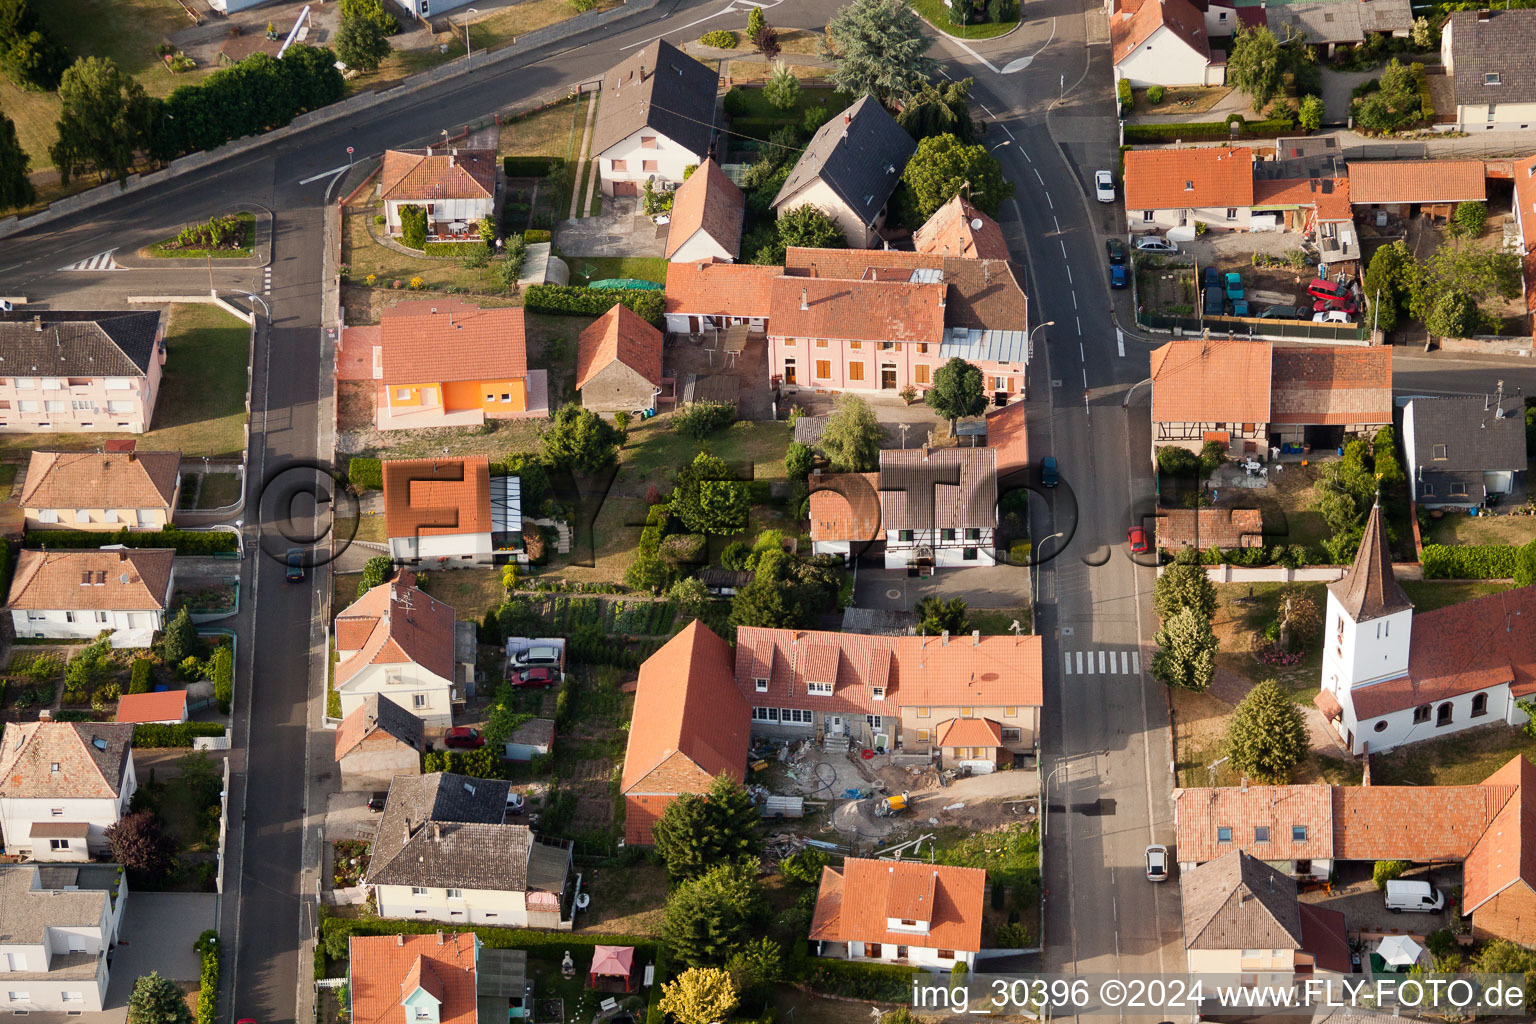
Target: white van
<point x="1419" y="897"/>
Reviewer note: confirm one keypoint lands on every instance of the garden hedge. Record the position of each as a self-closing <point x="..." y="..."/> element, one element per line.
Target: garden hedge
<point x="533" y="236"/>
<point x="541" y="945"/>
<point x="223" y="677"/>
<point x="186" y="542"/>
<point x="179" y="735"/>
<point x="1206" y="130"/>
<point x="138" y="676"/>
<point x="568" y="300"/>
<point x="1469" y="561"/>
<point x="530" y="166"/>
<point x="365" y="474"/>
<point x="207" y="946"/>
<point x="880" y="982"/>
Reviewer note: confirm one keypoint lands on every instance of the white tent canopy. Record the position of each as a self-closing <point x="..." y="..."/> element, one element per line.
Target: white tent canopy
<point x="1399" y="950"/>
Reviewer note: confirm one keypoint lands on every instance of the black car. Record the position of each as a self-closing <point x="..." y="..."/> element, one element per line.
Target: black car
<point x="1116" y="250"/>
<point x="1282" y="313"/>
<point x="294" y="562"/>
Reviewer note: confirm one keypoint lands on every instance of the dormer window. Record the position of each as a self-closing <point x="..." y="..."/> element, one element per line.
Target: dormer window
<point x="878" y="692"/>
<point x="1441" y="451"/>
<point x="1491" y="78"/>
<point x="54" y="767"/>
<point x="818" y="689"/>
<point x="761" y="685"/>
<point x="1189" y="186"/>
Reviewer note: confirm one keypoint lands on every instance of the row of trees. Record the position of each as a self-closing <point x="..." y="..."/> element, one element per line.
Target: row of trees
<point x="1448" y="290"/>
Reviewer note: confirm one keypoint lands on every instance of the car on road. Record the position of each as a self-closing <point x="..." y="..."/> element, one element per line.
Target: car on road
<point x="377" y="799"/>
<point x="293" y="563"/>
<point x="462" y="737"/>
<point x="1324" y="289"/>
<point x="1282" y="313"/>
<point x="1332" y="316"/>
<point x="541" y="675"/>
<point x="1152" y="243"/>
<point x="1049" y="476"/>
<point x="1137" y="537"/>
<point x="1118" y="278"/>
<point x="1116" y="250"/>
<point x="1104" y="186"/>
<point x="1157" y="863"/>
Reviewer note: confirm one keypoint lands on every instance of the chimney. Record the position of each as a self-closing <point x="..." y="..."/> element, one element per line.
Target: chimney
<point x="452" y="157"/>
<point x="1482" y="17"/>
<point x="437" y="832"/>
<point x="924" y="450"/>
<point x="131" y="455"/>
<point x="847" y="119"/>
<point x="975" y="638"/>
<point x="37" y="323"/>
<point x="399" y="940"/>
<point x="642" y="72"/>
<point x="945" y="640"/>
<point x="804" y="305"/>
<point x="441" y="938"/>
<point x="122" y="555"/>
<point x="1365" y="770"/>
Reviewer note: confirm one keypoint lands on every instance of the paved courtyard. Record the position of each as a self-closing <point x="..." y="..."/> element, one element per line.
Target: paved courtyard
<point x="981" y="587"/>
<point x="620" y="228"/>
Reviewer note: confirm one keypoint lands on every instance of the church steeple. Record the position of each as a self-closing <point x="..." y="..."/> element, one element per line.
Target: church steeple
<point x="1370" y="591"/>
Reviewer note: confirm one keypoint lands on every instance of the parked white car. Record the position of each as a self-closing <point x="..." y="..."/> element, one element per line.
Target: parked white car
<point x="1157" y="863"/>
<point x="1331" y="316"/>
<point x="1152" y="243"/>
<point x="1104" y="186"/>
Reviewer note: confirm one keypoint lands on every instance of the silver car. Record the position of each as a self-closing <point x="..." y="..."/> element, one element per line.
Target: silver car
<point x="1152" y="243"/>
<point x="1157" y="863"/>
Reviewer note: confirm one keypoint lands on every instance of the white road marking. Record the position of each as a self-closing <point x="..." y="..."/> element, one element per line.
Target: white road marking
<point x="727" y="9"/>
<point x="324" y="174"/>
<point x="989" y="65"/>
<point x="1069" y="273"/>
<point x="1074" y="299"/>
<point x="1120" y="340"/>
<point x="1024" y="151"/>
<point x="1057" y="223"/>
<point x="1079" y="662"/>
<point x="1050" y="200"/>
<point x="101" y="261"/>
<point x="1079" y="325"/>
<point x="1037" y="175"/>
<point x="983" y="106"/>
<point x="1081" y="354"/>
<point x="1021" y="63"/>
<point x="1136" y="662"/>
<point x="1010" y="136"/>
<point x="1101" y="661"/>
<point x="1085" y="382"/>
<point x="1063" y="249"/>
<point x="1067" y="655"/>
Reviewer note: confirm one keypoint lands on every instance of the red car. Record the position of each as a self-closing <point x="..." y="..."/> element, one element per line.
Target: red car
<point x="1321" y="289"/>
<point x="1138" y="538"/>
<point x="541" y="675"/>
<point x="1349" y="305"/>
<point x="462" y="737"/>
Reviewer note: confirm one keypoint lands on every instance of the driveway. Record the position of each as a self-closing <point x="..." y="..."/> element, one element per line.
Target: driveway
<point x="981" y="587"/>
<point x="620" y="230"/>
<point x="347" y="817"/>
<point x="1338" y="87"/>
<point x="1364" y="907"/>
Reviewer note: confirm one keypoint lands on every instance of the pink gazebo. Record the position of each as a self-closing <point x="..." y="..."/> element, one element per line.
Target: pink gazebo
<point x="612" y="962"/>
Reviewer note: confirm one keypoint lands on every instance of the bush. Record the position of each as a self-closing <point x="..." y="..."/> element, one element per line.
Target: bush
<point x="735" y="102"/>
<point x="413" y="226"/>
<point x="1127" y="100"/>
<point x="720" y="38"/>
<point x="179" y="735"/>
<point x="1155" y="94"/>
<point x="1470" y="561"/>
<point x="534" y="236"/>
<point x="223" y="672"/>
<point x="884" y="982"/>
<point x="186" y="542"/>
<point x="804" y="867"/>
<point x="1386" y="871"/>
<point x="139" y="676"/>
<point x="1176" y="461"/>
<point x="207" y="946"/>
<point x="566" y="300"/>
<point x="700" y="419"/>
<point x="365" y="474"/>
<point x="531" y="166"/>
<point x="1471" y="218"/>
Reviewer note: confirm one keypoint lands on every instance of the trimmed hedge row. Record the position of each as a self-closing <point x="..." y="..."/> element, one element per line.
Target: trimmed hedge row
<point x="365" y="474"/>
<point x="530" y="166"/>
<point x="881" y="982"/>
<point x="568" y="300"/>
<point x="186" y="542"/>
<point x="182" y="734"/>
<point x="207" y="944"/>
<point x="1469" y="561"/>
<point x="223" y="677"/>
<point x="139" y="676"/>
<point x="541" y="945"/>
<point x="1206" y="130"/>
<point x="535" y="235"/>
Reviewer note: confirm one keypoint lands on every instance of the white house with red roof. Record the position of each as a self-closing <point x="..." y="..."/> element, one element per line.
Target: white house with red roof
<point x="908" y="912"/>
<point x="1169" y="189"/>
<point x="711" y="295"/>
<point x="706" y="217"/>
<point x="1163" y="42"/>
<point x="964" y="700"/>
<point x="456" y="187"/>
<point x="397" y="641"/>
<point x="1391" y="676"/>
<point x="446" y="511"/>
<point x="62" y="785"/>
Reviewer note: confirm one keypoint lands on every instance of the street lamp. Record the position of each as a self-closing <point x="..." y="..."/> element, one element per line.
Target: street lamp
<point x="1127" y="399"/>
<point x="468" y="54"/>
<point x="257" y="298"/>
<point x="1029" y="343"/>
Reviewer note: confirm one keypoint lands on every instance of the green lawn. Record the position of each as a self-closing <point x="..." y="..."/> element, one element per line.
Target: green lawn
<point x="545" y="132"/>
<point x="1459" y="528"/>
<point x="1427" y="595"/>
<point x="756" y="105"/>
<point x="167" y="248"/>
<point x="8" y="472"/>
<point x="936" y="14"/>
<point x="469" y="592"/>
<point x="201" y="406"/>
<point x="995" y="621"/>
<point x="364" y="256"/>
<point x="218" y="490"/>
<point x="400" y="65"/>
<point x="1464" y="759"/>
<point x="586" y="269"/>
<point x="503" y="27"/>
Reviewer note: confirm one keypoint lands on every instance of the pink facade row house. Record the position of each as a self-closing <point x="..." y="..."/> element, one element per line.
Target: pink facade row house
<point x="72" y="371"/>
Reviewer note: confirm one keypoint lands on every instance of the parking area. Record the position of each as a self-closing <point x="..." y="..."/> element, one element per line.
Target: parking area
<point x="622" y="227"/>
<point x="347" y="817"/>
<point x="1364" y="906"/>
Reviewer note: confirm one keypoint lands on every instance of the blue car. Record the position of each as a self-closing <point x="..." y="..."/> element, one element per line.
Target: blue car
<point x="1117" y="277"/>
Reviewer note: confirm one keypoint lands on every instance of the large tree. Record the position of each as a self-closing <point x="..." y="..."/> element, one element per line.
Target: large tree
<point x="1181" y="586"/>
<point x="709" y="498"/>
<point x="580" y="439"/>
<point x="1256" y="65"/>
<point x="945" y="167"/>
<point x="851" y="438"/>
<point x="157" y="1000"/>
<point x="935" y="615"/>
<point x="957" y="391"/>
<point x="940" y="110"/>
<point x="15" y="186"/>
<point x="1388" y="280"/>
<point x="104" y="118"/>
<point x="1266" y="736"/>
<point x="879" y="48"/>
<point x="783" y="87"/>
<point x="138" y="844"/>
<point x="785" y="592"/>
<point x="371" y="11"/>
<point x="696" y="832"/>
<point x="376" y="571"/>
<point x="700" y="995"/>
<point x="712" y="916"/>
<point x="362" y="43"/>
<point x="1186" y="651"/>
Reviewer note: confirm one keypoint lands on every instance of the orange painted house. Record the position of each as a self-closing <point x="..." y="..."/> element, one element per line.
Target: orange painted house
<point x="690" y="724"/>
<point x="450" y="364"/>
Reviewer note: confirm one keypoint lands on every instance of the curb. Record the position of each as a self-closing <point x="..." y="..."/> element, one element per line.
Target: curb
<point x="261" y="248"/>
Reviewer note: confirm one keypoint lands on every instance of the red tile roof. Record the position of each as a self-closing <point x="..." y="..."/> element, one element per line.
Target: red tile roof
<point x="1129" y="30"/>
<point x="1206" y="528"/>
<point x="454" y="343"/>
<point x="131" y="479"/>
<point x="689" y="724"/>
<point x="1331" y="385"/>
<point x="386" y="969"/>
<point x="805" y="307"/>
<point x="619" y="335"/>
<point x="1325" y="935"/>
<point x="959" y="229"/>
<point x="424" y="176"/>
<point x="853" y="905"/>
<point x="983" y="294"/>
<point x="1506" y="853"/>
<point x="437" y="497"/>
<point x="124" y="579"/>
<point x="1007" y="433"/>
<point x="1328" y="196"/>
<point x="842" y="508"/>
<point x="1525" y="200"/>
<point x="1176" y="179"/>
<point x="1459" y="649"/>
<point x="1416" y="823"/>
<point x="1416" y="181"/>
<point x="710" y="202"/>
<point x="164" y="706"/>
<point x="970" y="732"/>
<point x="1201" y="812"/>
<point x="713" y="288"/>
<point x="398" y="624"/>
<point x="992" y="671"/>
<point x="1196" y="381"/>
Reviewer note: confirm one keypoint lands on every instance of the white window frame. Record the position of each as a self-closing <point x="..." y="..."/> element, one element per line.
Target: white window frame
<point x="818" y="689"/>
<point x="420" y="701"/>
<point x="760" y="685"/>
<point x="118" y="384"/>
<point x="418" y="890"/>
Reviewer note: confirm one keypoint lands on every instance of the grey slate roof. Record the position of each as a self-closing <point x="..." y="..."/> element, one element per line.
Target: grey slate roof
<point x="1504" y="44"/>
<point x="1236" y="902"/>
<point x="860" y="154"/>
<point x="1475" y="438"/>
<point x="80" y="343"/>
<point x="658" y="87"/>
<point x="445" y="830"/>
<point x="28" y="908"/>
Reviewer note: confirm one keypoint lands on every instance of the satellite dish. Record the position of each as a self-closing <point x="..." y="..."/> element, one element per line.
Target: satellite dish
<point x="976" y="224"/>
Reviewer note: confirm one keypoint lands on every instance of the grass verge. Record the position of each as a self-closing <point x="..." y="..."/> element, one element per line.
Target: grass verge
<point x="937" y="15"/>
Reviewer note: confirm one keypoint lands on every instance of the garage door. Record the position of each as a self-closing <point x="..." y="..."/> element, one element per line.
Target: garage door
<point x="625" y="188"/>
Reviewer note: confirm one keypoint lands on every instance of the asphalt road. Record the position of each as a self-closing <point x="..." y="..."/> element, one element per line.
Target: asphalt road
<point x="1051" y="123"/>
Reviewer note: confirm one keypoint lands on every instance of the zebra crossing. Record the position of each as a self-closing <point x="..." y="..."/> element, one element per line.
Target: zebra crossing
<point x="101" y="261"/>
<point x="1101" y="662"/>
